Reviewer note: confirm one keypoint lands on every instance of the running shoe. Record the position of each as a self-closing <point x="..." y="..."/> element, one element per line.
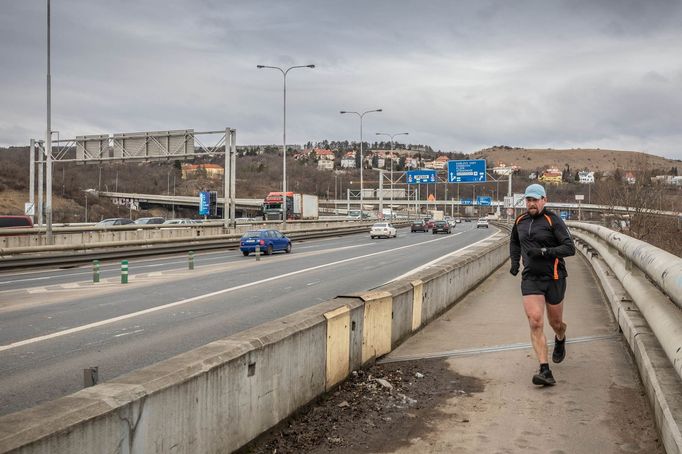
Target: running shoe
<point x="559" y="352"/>
<point x="544" y="378"/>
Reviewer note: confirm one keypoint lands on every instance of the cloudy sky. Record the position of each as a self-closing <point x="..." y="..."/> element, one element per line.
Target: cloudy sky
<point x="457" y="75"/>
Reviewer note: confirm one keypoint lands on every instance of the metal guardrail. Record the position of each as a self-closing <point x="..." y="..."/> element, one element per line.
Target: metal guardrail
<point x="84" y="253"/>
<point x="651" y="276"/>
<point x="663" y="268"/>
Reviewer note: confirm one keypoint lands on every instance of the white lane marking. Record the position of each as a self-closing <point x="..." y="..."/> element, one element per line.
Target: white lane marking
<point x="125" y="334"/>
<point x="432" y="262"/>
<point x="200" y="297"/>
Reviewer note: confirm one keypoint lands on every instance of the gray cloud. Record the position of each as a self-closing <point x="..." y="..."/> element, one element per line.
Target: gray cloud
<point x="457" y="75"/>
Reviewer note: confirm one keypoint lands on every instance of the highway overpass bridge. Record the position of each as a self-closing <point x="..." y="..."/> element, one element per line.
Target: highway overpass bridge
<point x="462" y="308"/>
<point x="250" y="207"/>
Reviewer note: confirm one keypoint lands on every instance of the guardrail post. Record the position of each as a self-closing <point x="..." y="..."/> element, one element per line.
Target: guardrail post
<point x="257" y="253"/>
<point x="95" y="271"/>
<point x="190" y="259"/>
<point x="124" y="271"/>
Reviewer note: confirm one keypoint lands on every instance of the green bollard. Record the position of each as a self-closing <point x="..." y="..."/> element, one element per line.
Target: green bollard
<point x="124" y="272"/>
<point x="95" y="271"/>
<point x="190" y="259"/>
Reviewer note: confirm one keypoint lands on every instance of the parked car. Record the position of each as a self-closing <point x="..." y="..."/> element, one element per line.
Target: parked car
<point x="482" y="223"/>
<point x="384" y="229"/>
<point x="180" y="221"/>
<point x="418" y="226"/>
<point x="151" y="220"/>
<point x="15" y="222"/>
<point x="267" y="240"/>
<point x="441" y="226"/>
<point x="114" y="221"/>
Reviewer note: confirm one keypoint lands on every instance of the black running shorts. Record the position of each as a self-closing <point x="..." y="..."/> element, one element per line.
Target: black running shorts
<point x="553" y="290"/>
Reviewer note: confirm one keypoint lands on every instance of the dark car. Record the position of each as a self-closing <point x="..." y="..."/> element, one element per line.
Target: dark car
<point x="114" y="221"/>
<point x="15" y="222"/>
<point x="441" y="227"/>
<point x="152" y="220"/>
<point x="419" y="226"/>
<point x="268" y="241"/>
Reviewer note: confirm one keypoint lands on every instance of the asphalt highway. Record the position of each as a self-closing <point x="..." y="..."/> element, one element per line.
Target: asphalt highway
<point x="54" y="323"/>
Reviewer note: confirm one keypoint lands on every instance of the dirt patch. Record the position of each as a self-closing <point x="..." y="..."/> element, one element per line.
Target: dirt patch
<point x="376" y="410"/>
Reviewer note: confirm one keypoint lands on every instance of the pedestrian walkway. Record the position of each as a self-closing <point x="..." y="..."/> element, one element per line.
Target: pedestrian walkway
<point x="597" y="406"/>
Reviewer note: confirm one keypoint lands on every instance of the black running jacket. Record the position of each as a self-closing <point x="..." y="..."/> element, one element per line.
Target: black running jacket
<point x="545" y="230"/>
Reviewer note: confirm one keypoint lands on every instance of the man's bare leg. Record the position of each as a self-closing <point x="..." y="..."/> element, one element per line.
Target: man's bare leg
<point x="534" y="305"/>
<point x="555" y="317"/>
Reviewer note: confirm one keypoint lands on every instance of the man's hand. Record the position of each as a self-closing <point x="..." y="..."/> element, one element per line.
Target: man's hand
<point x="537" y="252"/>
<point x="514" y="269"/>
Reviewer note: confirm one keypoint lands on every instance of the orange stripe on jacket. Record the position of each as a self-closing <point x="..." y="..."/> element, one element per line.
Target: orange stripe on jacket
<point x="556" y="269"/>
<point x="549" y="220"/>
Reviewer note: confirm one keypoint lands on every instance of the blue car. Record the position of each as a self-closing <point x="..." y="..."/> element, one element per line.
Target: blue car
<point x="269" y="241"/>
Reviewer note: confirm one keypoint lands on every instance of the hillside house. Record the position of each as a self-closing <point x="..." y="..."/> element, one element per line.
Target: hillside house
<point x="586" y="177"/>
<point x="323" y="154"/>
<point x="325" y="164"/>
<point x="630" y="178"/>
<point x="348" y="160"/>
<point x="551" y="176"/>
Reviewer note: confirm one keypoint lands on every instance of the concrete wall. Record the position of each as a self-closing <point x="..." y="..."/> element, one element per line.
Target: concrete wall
<point x="12" y="238"/>
<point x="220" y="396"/>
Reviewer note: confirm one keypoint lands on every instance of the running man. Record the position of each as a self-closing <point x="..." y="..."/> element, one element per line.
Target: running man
<point x="542" y="239"/>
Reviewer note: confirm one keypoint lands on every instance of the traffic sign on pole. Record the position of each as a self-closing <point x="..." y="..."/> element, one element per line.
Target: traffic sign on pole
<point x="421" y="176"/>
<point x="467" y="171"/>
<point x="204" y="203"/>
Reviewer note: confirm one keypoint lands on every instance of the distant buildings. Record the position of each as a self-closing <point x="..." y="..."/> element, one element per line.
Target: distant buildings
<point x="211" y="170"/>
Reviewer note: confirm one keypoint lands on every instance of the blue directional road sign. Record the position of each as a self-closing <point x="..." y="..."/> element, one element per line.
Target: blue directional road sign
<point x="204" y="202"/>
<point x="564" y="215"/>
<point x="467" y="171"/>
<point x="484" y="200"/>
<point x="421" y="176"/>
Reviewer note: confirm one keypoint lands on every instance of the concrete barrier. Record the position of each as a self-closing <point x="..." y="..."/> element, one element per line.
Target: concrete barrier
<point x="218" y="397"/>
<point x="88" y="235"/>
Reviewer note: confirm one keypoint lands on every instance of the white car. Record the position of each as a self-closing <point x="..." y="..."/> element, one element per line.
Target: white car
<point x="180" y="221"/>
<point x="482" y="223"/>
<point x="383" y="229"/>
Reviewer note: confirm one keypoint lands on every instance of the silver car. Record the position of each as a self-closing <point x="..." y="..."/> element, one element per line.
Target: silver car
<point x="383" y="229"/>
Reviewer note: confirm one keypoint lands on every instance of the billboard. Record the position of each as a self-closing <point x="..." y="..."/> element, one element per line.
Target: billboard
<point x="154" y="144"/>
<point x="467" y="171"/>
<point x="92" y="147"/>
<point x="421" y="176"/>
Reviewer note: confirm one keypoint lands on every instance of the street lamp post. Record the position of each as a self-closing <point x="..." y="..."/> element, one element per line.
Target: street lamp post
<point x="392" y="145"/>
<point x="361" y="116"/>
<point x="284" y="136"/>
